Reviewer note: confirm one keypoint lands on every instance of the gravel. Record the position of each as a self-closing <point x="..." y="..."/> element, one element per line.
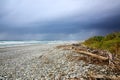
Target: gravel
<point x="41" y="62"/>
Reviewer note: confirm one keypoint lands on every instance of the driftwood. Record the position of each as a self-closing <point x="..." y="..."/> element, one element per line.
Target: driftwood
<point x="112" y="61"/>
<point x="82" y="50"/>
<point x="77" y="50"/>
<point x="91" y="54"/>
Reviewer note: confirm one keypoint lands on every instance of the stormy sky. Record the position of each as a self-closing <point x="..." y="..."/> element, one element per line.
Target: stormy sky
<point x="57" y="19"/>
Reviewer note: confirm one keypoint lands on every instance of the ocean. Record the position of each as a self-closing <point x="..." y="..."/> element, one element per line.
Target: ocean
<point x="22" y="43"/>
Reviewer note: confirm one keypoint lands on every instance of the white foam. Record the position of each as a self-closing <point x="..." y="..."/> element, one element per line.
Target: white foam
<point x="18" y="43"/>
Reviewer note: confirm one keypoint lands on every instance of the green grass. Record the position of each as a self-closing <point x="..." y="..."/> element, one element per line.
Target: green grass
<point x="110" y="42"/>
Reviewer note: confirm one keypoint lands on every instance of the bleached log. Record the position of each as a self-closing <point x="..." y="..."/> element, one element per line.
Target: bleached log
<point x="91" y="54"/>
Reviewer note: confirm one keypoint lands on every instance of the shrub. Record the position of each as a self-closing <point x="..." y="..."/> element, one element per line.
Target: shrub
<point x="109" y="42"/>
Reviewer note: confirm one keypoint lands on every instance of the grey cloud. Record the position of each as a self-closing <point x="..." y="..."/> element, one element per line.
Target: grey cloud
<point x="27" y="11"/>
<point x="57" y="36"/>
<point x="57" y="20"/>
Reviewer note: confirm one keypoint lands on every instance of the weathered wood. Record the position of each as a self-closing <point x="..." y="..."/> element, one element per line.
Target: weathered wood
<point x="91" y="54"/>
<point x="81" y="50"/>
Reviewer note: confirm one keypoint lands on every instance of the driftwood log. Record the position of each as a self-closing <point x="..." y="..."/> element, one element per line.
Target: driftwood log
<point x="82" y="51"/>
<point x="91" y="54"/>
<point x="77" y="50"/>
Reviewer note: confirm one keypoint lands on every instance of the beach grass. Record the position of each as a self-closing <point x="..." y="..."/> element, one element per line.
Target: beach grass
<point x="110" y="42"/>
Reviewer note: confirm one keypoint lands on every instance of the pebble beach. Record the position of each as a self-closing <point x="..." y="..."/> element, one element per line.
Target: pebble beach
<point x="42" y="62"/>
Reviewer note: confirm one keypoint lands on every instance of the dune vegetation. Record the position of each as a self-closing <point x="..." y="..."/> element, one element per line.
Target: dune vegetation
<point x="110" y="42"/>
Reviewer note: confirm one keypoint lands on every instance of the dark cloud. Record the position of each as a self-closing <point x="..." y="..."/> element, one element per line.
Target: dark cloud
<point x="63" y="29"/>
<point x="57" y="22"/>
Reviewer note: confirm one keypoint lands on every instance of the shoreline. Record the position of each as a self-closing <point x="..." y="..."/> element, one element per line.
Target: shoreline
<point x="5" y="44"/>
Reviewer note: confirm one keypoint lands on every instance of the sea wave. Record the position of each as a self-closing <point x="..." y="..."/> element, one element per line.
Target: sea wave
<point x="15" y="43"/>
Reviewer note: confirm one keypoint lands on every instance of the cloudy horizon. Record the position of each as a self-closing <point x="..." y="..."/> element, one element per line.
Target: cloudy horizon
<point x="57" y="20"/>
